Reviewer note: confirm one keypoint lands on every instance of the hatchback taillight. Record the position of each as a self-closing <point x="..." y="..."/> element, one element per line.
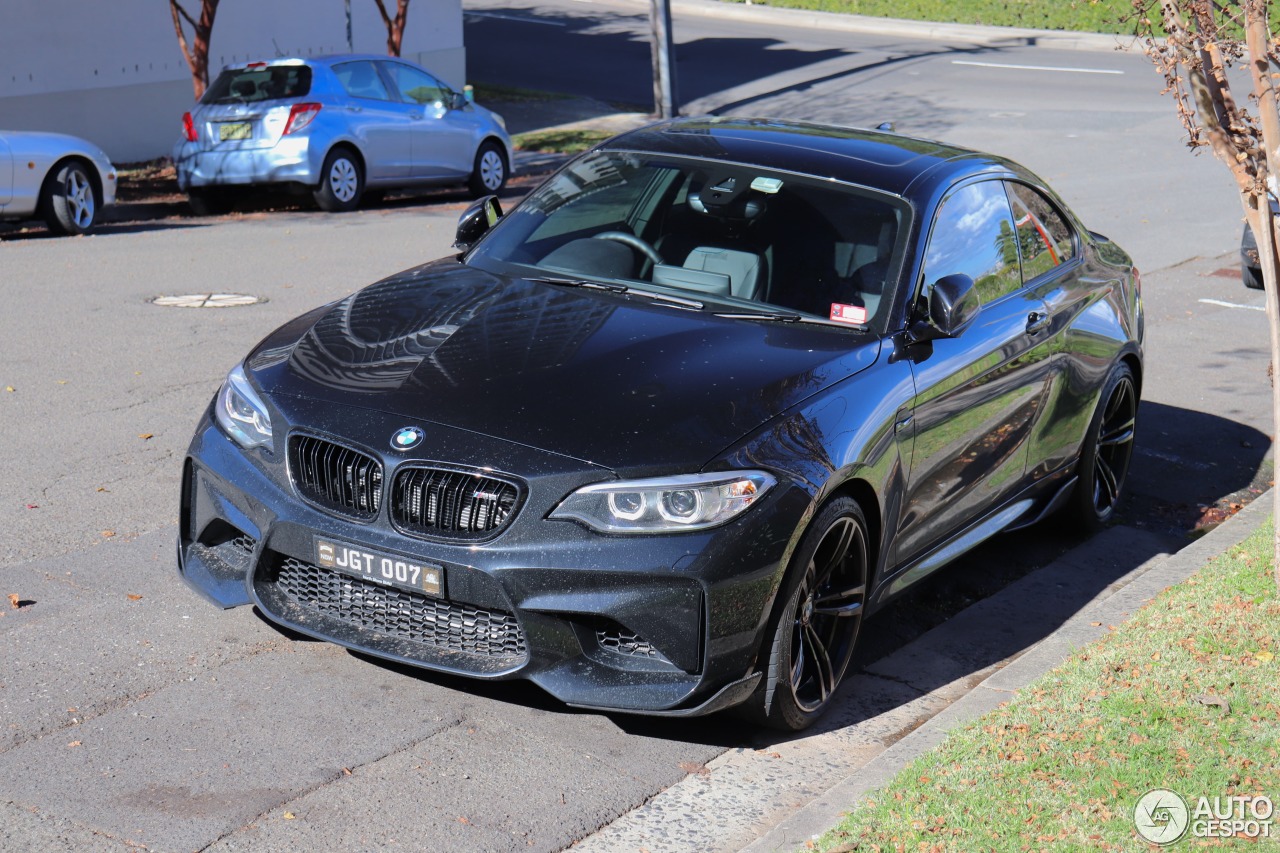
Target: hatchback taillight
<point x="300" y="115"/>
<point x="188" y="127"/>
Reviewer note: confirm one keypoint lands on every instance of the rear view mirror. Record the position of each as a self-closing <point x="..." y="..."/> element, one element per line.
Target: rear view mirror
<point x="476" y="221"/>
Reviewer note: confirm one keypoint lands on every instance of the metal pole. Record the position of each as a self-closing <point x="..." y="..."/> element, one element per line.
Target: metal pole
<point x="350" y="44"/>
<point x="664" y="66"/>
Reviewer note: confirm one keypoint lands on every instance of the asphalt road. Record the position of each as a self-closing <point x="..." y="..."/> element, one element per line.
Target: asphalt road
<point x="133" y="713"/>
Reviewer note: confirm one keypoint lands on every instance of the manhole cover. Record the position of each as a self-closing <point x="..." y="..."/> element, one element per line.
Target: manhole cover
<point x="207" y="300"/>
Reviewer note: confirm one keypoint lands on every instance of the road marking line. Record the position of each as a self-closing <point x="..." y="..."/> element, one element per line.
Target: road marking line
<point x="1224" y="304"/>
<point x="1176" y="460"/>
<point x="522" y="20"/>
<point x="1036" y="67"/>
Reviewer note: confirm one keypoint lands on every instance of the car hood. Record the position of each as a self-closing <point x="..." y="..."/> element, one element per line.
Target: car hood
<point x="617" y="381"/>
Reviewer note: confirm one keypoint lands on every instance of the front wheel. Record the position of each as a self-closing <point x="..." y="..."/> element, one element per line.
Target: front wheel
<point x="812" y="636"/>
<point x="1108" y="447"/>
<point x="68" y="201"/>
<point x="341" y="182"/>
<point x="490" y="173"/>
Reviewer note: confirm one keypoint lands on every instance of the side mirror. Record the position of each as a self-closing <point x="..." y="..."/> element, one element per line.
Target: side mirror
<point x="458" y="101"/>
<point x="476" y="221"/>
<point x="953" y="306"/>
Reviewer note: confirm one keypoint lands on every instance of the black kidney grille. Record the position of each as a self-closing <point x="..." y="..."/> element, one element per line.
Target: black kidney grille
<point x="397" y="613"/>
<point x="336" y="477"/>
<point x="451" y="504"/>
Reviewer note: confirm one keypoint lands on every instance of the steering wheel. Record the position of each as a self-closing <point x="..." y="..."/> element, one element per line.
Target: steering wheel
<point x="631" y="240"/>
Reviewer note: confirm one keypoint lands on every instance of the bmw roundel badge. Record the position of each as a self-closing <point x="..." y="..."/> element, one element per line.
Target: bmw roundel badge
<point x="407" y="438"/>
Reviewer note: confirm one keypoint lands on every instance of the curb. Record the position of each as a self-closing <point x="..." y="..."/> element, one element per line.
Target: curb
<point x="972" y="33"/>
<point x="1133" y="591"/>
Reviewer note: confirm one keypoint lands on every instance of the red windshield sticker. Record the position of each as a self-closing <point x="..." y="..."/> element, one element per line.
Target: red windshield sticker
<point x="848" y="313"/>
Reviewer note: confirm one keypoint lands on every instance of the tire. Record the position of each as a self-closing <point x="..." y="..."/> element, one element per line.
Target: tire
<point x="1251" y="277"/>
<point x="341" y="182"/>
<point x="811" y="637"/>
<point x="68" y="201"/>
<point x="490" y="173"/>
<point x="205" y="202"/>
<point x="1107" y="451"/>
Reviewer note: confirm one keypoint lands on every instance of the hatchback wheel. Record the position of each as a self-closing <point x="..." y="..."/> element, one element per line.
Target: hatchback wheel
<point x="68" y="201"/>
<point x="1104" y="459"/>
<point x="490" y="172"/>
<point x="341" y="182"/>
<point x="813" y="635"/>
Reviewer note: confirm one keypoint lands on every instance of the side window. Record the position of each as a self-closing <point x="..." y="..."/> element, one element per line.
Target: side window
<point x="417" y="87"/>
<point x="361" y="80"/>
<point x="1044" y="237"/>
<point x="974" y="234"/>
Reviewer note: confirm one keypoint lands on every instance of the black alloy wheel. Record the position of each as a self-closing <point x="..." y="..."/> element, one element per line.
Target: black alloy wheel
<point x="815" y="633"/>
<point x="1104" y="461"/>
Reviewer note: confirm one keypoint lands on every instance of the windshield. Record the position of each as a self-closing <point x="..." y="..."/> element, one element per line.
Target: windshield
<point x="736" y="237"/>
<point x="259" y="82"/>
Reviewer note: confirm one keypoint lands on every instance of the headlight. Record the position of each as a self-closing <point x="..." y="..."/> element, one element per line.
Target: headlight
<point x="693" y="502"/>
<point x="240" y="411"/>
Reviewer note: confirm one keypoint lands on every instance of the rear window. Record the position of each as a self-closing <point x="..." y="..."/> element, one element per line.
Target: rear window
<point x="260" y="83"/>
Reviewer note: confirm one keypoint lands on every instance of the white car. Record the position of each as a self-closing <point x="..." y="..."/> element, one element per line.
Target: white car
<point x="64" y="180"/>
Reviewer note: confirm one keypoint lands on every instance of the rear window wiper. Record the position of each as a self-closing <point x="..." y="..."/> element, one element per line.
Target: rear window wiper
<point x="787" y="317"/>
<point x="623" y="290"/>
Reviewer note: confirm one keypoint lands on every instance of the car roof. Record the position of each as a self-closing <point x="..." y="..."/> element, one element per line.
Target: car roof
<point x="902" y="165"/>
<point x="327" y="59"/>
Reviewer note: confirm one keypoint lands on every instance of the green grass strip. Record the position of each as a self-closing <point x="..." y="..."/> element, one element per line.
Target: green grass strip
<point x="560" y="141"/>
<point x="1099" y="16"/>
<point x="1184" y="696"/>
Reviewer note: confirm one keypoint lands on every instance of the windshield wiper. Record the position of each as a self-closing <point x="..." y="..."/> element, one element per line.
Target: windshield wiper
<point x="783" y="317"/>
<point x="623" y="290"/>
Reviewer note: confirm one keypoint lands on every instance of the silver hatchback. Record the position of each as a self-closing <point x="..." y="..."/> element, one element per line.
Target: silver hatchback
<point x="336" y="126"/>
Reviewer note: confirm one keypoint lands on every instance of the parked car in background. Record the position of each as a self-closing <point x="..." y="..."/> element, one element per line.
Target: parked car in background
<point x="1250" y="269"/>
<point x="337" y="127"/>
<point x="64" y="180"/>
<point x="659" y="438"/>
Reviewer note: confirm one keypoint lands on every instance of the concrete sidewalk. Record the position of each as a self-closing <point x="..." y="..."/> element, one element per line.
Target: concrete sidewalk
<point x="780" y="796"/>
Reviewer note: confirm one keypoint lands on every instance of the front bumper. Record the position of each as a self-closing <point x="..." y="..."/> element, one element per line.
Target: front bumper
<point x="656" y="624"/>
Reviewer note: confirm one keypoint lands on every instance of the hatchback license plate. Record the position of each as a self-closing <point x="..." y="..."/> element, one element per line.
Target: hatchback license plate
<point x="235" y="130"/>
<point x="379" y="567"/>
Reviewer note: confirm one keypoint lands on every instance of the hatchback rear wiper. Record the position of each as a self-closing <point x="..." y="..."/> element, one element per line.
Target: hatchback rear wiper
<point x="786" y="317"/>
<point x="623" y="290"/>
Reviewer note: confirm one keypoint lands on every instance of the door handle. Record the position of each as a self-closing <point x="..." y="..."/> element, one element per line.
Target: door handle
<point x="416" y="116"/>
<point x="353" y="108"/>
<point x="1037" y="321"/>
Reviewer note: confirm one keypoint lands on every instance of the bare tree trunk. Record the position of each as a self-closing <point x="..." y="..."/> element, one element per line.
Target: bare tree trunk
<point x="197" y="52"/>
<point x="1256" y="37"/>
<point x="395" y="27"/>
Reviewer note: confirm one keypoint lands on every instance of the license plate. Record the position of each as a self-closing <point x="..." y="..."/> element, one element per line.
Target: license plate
<point x="235" y="130"/>
<point x="380" y="567"/>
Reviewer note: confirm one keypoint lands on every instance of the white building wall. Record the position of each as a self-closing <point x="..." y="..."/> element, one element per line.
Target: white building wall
<point x="113" y="72"/>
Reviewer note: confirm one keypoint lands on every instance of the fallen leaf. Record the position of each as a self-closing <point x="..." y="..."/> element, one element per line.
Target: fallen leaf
<point x="134" y="597"/>
<point x="33" y="506"/>
<point x="74" y="743"/>
<point x="694" y="767"/>
<point x="145" y="435"/>
<point x="108" y="533"/>
<point x="1096" y="624"/>
<point x="102" y="488"/>
<point x="63" y="381"/>
<point x="463" y="820"/>
<point x="13" y="600"/>
<point x="289" y="815"/>
<point x="346" y="771"/>
<point x="1264" y="657"/>
<point x="9" y="388"/>
<point x="1210" y="699"/>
